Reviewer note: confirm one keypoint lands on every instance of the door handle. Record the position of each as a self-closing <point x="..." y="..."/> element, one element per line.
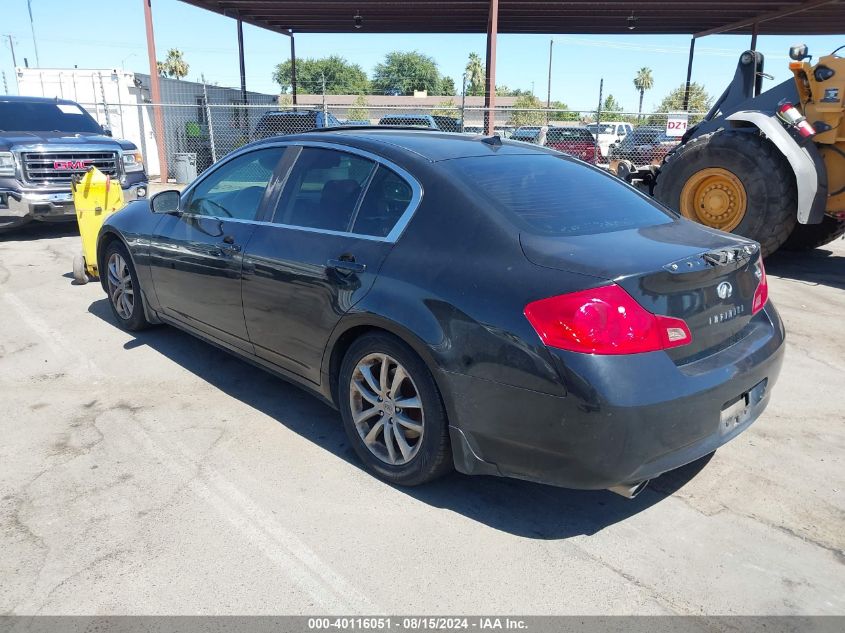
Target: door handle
<point x="227" y="248"/>
<point x="346" y="266"/>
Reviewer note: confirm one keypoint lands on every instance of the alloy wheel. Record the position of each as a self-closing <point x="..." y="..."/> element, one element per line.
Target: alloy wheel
<point x="386" y="409"/>
<point x="121" y="290"/>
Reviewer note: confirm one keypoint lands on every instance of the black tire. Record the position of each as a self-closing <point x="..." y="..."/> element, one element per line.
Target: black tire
<point x="136" y="319"/>
<point x="808" y="236"/>
<point x="433" y="459"/>
<point x="769" y="181"/>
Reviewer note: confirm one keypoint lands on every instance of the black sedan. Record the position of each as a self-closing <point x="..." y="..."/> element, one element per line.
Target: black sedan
<point x="464" y="302"/>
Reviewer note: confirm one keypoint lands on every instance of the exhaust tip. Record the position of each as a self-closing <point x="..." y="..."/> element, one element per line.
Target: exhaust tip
<point x="629" y="491"/>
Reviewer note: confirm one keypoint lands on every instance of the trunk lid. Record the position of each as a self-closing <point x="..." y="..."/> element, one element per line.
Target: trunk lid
<point x="678" y="269"/>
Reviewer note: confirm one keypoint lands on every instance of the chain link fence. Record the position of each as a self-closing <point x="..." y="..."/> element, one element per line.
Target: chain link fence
<point x="202" y="133"/>
<point x="193" y="137"/>
<point x="198" y="123"/>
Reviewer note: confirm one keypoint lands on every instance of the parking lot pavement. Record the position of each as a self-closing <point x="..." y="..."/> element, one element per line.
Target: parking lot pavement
<point x="154" y="474"/>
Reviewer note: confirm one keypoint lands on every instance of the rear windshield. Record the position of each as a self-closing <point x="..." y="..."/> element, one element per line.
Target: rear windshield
<point x="46" y="117"/>
<point x="552" y="195"/>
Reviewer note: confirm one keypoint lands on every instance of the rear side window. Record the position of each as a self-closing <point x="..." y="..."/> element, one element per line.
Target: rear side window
<point x="387" y="198"/>
<point x="552" y="195"/>
<point x="275" y="124"/>
<point x="323" y="189"/>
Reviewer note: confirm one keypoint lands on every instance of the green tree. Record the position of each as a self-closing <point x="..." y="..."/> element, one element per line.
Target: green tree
<point x="475" y="75"/>
<point x="528" y="102"/>
<point x="611" y="104"/>
<point x="504" y="91"/>
<point x="643" y="81"/>
<point x="342" y="77"/>
<point x="447" y="108"/>
<point x="561" y="112"/>
<point x="402" y="73"/>
<point x="174" y="65"/>
<point x="699" y="103"/>
<point x="359" y="112"/>
<point x="447" y="87"/>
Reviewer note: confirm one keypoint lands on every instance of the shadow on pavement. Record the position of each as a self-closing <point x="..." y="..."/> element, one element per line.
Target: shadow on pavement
<point x="39" y="231"/>
<point x="818" y="267"/>
<point x="518" y="507"/>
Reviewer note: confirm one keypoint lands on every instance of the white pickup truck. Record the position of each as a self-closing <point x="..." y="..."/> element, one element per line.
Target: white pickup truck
<point x="609" y="132"/>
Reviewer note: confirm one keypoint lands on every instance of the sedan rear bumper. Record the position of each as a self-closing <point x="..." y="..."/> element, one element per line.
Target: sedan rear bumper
<point x="624" y="419"/>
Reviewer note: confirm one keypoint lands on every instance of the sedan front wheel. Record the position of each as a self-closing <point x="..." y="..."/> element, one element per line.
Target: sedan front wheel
<point x="123" y="289"/>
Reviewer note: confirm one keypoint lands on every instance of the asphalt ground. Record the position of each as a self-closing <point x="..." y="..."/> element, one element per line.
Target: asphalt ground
<point x="151" y="473"/>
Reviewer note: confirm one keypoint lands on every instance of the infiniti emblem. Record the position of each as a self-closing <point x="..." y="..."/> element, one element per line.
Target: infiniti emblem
<point x="724" y="290"/>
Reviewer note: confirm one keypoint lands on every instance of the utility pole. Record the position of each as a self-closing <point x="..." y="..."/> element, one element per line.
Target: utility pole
<point x="32" y="27"/>
<point x="463" y="103"/>
<point x="12" y="46"/>
<point x="596" y="148"/>
<point x="325" y="115"/>
<point x="155" y="92"/>
<point x="549" y="90"/>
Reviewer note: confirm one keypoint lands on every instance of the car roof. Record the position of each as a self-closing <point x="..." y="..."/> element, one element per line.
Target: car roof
<point x="420" y="143"/>
<point x="25" y="99"/>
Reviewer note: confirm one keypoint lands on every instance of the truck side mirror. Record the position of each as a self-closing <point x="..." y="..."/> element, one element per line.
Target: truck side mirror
<point x="107" y="131"/>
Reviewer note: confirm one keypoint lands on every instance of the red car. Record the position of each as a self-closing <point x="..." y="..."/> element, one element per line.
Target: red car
<point x="575" y="141"/>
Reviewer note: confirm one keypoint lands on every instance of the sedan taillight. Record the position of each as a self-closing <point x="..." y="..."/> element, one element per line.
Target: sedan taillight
<point x="761" y="295"/>
<point x="604" y="320"/>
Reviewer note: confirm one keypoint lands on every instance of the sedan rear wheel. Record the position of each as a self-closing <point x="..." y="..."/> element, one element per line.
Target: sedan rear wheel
<point x="392" y="411"/>
<point x="386" y="409"/>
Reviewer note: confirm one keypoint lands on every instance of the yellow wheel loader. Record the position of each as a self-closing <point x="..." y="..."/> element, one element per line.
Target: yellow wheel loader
<point x="766" y="165"/>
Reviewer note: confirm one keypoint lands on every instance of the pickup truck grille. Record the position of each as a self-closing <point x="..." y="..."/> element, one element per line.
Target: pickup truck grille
<point x="59" y="167"/>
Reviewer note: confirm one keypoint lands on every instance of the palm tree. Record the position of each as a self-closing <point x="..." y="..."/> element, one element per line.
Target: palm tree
<point x="174" y="65"/>
<point x="475" y="75"/>
<point x="642" y="82"/>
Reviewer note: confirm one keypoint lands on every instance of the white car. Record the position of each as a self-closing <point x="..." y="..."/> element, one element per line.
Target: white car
<point x="609" y="132"/>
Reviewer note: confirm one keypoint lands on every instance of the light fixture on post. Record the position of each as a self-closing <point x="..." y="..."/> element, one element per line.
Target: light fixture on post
<point x="632" y="21"/>
<point x="357" y="20"/>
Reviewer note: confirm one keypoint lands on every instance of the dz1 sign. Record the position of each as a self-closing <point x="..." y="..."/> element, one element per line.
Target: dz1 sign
<point x="676" y="124"/>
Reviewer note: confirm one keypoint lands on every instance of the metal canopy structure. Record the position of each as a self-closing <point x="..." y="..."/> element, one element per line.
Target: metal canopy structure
<point x="783" y="17"/>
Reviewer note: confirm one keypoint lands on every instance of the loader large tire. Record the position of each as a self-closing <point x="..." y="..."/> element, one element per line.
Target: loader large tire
<point x="733" y="181"/>
<point x="808" y="236"/>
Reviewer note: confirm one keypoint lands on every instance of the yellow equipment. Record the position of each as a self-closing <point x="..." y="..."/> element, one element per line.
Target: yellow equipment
<point x="95" y="197"/>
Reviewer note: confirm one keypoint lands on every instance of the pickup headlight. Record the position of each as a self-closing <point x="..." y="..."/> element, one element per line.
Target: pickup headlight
<point x="133" y="161"/>
<point x="7" y="164"/>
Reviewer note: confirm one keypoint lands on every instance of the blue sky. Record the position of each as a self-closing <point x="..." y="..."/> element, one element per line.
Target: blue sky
<point x="81" y="34"/>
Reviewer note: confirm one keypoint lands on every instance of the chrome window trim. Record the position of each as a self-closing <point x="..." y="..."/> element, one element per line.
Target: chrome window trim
<point x="395" y="232"/>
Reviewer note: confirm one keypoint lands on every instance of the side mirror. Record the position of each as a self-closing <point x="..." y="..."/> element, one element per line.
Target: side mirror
<point x="166" y="201"/>
<point x="799" y="52"/>
<point x="106" y="131"/>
